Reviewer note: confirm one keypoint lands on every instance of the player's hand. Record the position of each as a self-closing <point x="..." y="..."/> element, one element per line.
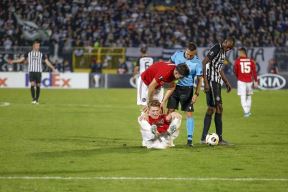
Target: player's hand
<point x="55" y="71"/>
<point x="255" y="85"/>
<point x="228" y="87"/>
<point x="206" y="87"/>
<point x="194" y="98"/>
<point x="176" y="115"/>
<point x="144" y="116"/>
<point x="145" y="109"/>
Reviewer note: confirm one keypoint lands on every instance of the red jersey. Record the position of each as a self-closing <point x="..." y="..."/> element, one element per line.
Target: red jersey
<point x="161" y="123"/>
<point x="163" y="72"/>
<point x="245" y="69"/>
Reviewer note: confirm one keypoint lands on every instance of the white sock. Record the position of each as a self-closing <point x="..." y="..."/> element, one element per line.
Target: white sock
<point x="249" y="103"/>
<point x="244" y="103"/>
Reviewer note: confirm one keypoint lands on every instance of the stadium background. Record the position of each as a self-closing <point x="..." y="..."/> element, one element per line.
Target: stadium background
<point x="77" y="34"/>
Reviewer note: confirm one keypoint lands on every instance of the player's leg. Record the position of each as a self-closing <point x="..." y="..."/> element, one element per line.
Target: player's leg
<point x="142" y="93"/>
<point x="219" y="109"/>
<point x="38" y="85"/>
<point x="241" y="91"/>
<point x="186" y="94"/>
<point x="97" y="79"/>
<point x="174" y="130"/>
<point x="208" y="116"/>
<point x="32" y="86"/>
<point x="249" y="97"/>
<point x="145" y="131"/>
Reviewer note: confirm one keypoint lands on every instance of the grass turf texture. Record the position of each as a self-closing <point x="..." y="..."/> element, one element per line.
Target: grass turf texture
<point x="94" y="133"/>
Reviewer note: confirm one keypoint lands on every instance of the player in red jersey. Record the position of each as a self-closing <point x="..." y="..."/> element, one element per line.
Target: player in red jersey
<point x="154" y="77"/>
<point x="159" y="130"/>
<point x="245" y="71"/>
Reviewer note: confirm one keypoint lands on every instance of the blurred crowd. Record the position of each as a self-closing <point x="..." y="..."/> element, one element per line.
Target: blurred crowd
<point x="131" y="23"/>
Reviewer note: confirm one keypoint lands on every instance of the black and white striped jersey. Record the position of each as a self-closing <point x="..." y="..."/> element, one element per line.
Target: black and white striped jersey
<point x="35" y="59"/>
<point x="216" y="57"/>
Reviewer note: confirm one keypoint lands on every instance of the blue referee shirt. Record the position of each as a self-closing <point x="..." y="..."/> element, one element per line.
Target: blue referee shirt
<point x="194" y="64"/>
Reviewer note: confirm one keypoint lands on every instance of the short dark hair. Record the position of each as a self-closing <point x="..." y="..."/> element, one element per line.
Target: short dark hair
<point x="183" y="69"/>
<point x="143" y="50"/>
<point x="36" y="41"/>
<point x="192" y="46"/>
<point x="154" y="103"/>
<point x="243" y="50"/>
<point x="231" y="39"/>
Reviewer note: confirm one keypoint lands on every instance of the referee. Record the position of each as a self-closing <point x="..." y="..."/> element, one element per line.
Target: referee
<point x="213" y="76"/>
<point x="35" y="59"/>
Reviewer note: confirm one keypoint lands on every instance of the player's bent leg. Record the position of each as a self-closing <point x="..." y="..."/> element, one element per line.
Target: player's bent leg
<point x="145" y="131"/>
<point x="173" y="131"/>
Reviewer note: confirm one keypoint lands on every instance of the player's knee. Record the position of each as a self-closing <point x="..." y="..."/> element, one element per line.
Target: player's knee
<point x="189" y="114"/>
<point x="210" y="110"/>
<point x="219" y="108"/>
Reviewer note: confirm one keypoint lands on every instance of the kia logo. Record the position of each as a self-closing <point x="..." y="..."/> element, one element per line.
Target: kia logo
<point x="271" y="81"/>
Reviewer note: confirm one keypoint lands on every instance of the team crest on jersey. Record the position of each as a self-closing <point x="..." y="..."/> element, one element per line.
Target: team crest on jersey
<point x="161" y="78"/>
<point x="160" y="122"/>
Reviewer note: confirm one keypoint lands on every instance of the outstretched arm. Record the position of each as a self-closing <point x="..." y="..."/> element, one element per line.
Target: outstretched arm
<point x="20" y="60"/>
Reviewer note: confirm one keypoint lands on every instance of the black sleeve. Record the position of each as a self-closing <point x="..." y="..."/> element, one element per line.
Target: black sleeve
<point x="213" y="51"/>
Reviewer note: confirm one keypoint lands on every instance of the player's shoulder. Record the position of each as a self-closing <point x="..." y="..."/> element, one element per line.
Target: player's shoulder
<point x="179" y="53"/>
<point x="196" y="59"/>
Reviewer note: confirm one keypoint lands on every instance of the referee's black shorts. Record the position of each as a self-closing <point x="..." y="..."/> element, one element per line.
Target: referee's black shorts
<point x="35" y="77"/>
<point x="213" y="96"/>
<point x="182" y="95"/>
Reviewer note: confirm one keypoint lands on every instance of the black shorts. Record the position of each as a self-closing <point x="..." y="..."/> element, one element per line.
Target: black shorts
<point x="213" y="96"/>
<point x="35" y="77"/>
<point x="184" y="96"/>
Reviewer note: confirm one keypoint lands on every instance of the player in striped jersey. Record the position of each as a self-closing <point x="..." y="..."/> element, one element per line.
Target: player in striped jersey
<point x="35" y="59"/>
<point x="213" y="75"/>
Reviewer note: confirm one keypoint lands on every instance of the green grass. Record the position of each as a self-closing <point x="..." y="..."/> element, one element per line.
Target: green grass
<point x="94" y="133"/>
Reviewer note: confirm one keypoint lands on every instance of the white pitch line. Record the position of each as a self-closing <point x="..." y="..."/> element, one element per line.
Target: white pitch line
<point x="243" y="179"/>
<point x="4" y="104"/>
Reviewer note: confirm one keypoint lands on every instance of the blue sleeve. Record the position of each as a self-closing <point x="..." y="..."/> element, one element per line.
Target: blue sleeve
<point x="199" y="69"/>
<point x="173" y="57"/>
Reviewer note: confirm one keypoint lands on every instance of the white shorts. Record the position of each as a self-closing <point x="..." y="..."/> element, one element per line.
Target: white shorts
<point x="142" y="93"/>
<point x="244" y="88"/>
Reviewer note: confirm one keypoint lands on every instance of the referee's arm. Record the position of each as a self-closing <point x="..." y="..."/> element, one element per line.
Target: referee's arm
<point x="204" y="62"/>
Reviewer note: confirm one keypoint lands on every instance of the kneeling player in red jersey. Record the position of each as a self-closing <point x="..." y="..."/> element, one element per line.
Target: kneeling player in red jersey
<point x="159" y="130"/>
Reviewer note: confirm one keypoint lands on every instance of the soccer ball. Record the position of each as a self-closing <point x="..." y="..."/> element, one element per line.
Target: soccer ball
<point x="212" y="139"/>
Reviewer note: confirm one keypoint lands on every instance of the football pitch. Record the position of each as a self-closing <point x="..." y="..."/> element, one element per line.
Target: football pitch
<point x="89" y="140"/>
